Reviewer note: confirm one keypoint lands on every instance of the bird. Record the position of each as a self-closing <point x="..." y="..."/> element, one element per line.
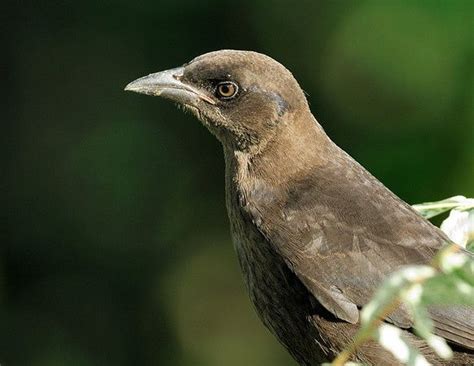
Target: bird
<point x="315" y="233"/>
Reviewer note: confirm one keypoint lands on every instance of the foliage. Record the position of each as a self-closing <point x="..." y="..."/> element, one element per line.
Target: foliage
<point x="448" y="279"/>
<point x="459" y="226"/>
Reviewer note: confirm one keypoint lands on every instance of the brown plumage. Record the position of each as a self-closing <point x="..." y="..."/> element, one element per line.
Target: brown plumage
<point x="315" y="233"/>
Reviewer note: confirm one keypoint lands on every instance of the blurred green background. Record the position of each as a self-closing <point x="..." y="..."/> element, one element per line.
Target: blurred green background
<point x="115" y="245"/>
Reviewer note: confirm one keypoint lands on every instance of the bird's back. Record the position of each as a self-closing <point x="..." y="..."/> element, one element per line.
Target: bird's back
<point x="341" y="232"/>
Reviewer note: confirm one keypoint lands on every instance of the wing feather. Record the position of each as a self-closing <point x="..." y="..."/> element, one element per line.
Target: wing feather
<point x="343" y="232"/>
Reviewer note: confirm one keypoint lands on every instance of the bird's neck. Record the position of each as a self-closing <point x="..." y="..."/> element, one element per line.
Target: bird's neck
<point x="296" y="148"/>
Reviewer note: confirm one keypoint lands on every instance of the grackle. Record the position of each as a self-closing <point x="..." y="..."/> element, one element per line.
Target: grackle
<point x="315" y="233"/>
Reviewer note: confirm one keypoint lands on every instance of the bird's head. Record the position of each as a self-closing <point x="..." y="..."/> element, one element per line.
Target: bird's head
<point x="242" y="97"/>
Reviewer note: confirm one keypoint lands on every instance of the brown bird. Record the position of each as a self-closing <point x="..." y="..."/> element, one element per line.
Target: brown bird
<point x="315" y="233"/>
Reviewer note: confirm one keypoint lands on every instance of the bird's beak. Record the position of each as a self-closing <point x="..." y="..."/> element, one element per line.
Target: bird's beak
<point x="168" y="84"/>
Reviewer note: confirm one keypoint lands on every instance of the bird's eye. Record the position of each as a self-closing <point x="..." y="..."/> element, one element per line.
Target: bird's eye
<point x="227" y="90"/>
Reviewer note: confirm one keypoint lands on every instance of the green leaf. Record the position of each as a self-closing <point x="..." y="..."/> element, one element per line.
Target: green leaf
<point x="453" y="260"/>
<point x="431" y="209"/>
<point x="459" y="226"/>
<point x="390" y="290"/>
<point x="424" y="328"/>
<point x="447" y="290"/>
<point x="470" y="246"/>
<point x="391" y="338"/>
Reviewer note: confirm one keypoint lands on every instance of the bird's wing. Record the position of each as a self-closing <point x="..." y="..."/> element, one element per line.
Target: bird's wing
<point x="342" y="232"/>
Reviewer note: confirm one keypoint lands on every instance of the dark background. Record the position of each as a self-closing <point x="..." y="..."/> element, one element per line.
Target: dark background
<point x="115" y="247"/>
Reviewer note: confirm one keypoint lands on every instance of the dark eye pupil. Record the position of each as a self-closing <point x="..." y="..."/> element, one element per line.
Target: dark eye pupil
<point x="226" y="90"/>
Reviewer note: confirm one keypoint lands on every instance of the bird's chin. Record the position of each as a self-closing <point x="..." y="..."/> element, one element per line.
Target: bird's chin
<point x="190" y="108"/>
<point x="194" y="110"/>
<point x="207" y="122"/>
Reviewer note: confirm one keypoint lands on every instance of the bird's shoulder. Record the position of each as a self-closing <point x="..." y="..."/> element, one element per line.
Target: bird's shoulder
<point x="340" y="207"/>
<point x="341" y="231"/>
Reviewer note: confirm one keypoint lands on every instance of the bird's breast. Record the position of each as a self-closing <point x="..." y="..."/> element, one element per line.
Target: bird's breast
<point x="281" y="300"/>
